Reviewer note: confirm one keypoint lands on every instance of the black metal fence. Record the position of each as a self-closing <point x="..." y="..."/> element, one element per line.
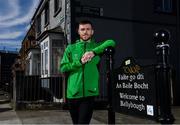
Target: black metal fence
<point x="34" y="92"/>
<point x="31" y="92"/>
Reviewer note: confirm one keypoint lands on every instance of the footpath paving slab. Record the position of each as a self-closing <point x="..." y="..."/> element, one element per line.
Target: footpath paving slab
<point x="47" y="117"/>
<point x="176" y="113"/>
<point x="44" y="117"/>
<point x="102" y="115"/>
<point x="9" y="116"/>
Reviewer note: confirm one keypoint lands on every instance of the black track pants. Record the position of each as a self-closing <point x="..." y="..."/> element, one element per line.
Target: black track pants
<point x="81" y="110"/>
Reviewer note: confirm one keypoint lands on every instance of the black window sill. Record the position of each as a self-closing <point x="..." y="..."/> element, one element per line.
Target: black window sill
<point x="57" y="12"/>
<point x="46" y="24"/>
<point x="38" y="33"/>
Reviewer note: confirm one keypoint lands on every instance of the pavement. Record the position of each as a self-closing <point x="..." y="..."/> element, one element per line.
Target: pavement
<point x="9" y="116"/>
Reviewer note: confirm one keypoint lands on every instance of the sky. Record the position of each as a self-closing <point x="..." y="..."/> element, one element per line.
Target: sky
<point x="15" y="17"/>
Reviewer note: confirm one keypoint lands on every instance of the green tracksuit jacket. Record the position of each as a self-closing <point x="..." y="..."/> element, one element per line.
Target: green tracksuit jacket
<point x="82" y="79"/>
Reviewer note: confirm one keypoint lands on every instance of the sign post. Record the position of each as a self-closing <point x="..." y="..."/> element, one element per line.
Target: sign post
<point x="161" y="38"/>
<point x="109" y="62"/>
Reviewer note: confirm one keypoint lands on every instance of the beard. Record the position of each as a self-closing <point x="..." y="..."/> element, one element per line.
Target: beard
<point x="85" y="37"/>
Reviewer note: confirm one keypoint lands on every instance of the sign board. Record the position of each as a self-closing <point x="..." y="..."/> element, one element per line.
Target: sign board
<point x="134" y="89"/>
<point x="89" y="10"/>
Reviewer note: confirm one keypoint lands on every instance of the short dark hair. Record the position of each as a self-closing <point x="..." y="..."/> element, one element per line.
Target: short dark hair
<point x="85" y="22"/>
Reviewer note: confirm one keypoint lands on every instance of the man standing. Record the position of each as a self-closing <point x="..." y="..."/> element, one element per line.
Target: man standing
<point x="80" y="61"/>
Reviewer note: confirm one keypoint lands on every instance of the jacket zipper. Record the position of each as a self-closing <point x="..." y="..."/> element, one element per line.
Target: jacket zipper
<point x="83" y="67"/>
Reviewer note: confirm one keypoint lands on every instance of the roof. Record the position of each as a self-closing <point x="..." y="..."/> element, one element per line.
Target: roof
<point x="7" y="51"/>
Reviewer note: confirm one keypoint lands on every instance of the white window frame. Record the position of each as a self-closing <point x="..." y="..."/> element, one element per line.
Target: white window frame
<point x="45" y="59"/>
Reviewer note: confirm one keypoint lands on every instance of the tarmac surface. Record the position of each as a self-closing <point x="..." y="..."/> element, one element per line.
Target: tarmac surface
<point x="9" y="116"/>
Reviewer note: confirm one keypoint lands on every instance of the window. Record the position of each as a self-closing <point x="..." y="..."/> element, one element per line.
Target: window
<point x="36" y="64"/>
<point x="165" y="6"/>
<point x="42" y="62"/>
<point x="38" y="24"/>
<point x="46" y="61"/>
<point x="57" y="52"/>
<point x="46" y="16"/>
<point x="44" y="58"/>
<point x="57" y="6"/>
<point x="28" y="67"/>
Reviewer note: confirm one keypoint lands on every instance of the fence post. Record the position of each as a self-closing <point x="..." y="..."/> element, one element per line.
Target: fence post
<point x="109" y="68"/>
<point x="161" y="38"/>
